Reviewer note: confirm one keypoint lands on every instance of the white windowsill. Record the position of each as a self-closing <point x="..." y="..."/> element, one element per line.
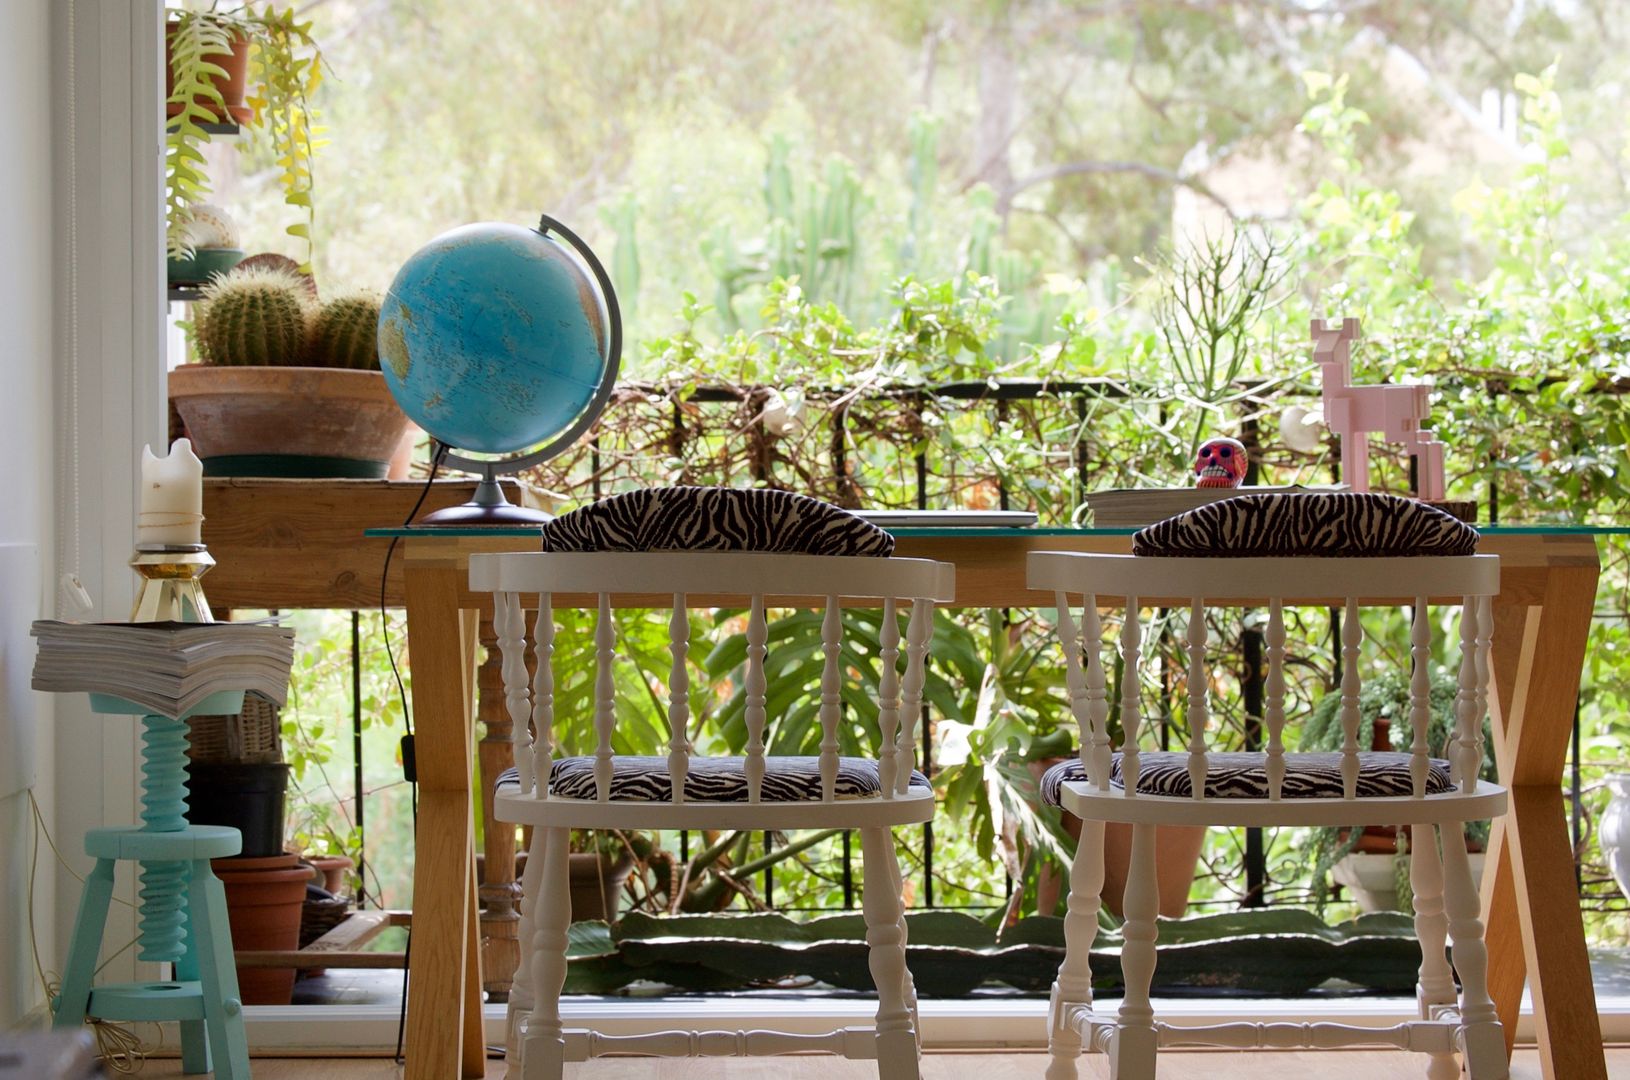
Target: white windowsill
<point x="946" y="1024"/>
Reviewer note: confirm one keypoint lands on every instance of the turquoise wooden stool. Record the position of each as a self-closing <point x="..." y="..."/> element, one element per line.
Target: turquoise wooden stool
<point x="182" y="907"/>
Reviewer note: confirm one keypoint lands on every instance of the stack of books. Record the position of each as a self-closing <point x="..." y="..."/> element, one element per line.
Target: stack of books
<point x="167" y="667"/>
<point x="1122" y="508"/>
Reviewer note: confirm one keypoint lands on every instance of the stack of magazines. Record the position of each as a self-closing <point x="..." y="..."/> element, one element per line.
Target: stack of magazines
<point x="1135" y="507"/>
<point x="167" y="667"/>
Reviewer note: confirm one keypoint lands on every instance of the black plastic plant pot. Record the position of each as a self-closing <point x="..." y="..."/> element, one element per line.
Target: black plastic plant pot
<point x="248" y="797"/>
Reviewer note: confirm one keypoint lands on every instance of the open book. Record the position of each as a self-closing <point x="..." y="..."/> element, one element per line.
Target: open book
<point x="166" y="667"/>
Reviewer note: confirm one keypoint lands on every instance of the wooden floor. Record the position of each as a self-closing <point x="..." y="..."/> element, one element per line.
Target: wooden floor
<point x="1174" y="1065"/>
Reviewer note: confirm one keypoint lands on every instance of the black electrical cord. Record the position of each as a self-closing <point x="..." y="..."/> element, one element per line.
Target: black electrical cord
<point x="407" y="718"/>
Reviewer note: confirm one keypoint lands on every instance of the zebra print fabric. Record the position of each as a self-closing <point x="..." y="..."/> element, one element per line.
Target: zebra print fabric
<point x="1346" y="524"/>
<point x="1381" y="774"/>
<point x="716" y="519"/>
<point x="713" y="780"/>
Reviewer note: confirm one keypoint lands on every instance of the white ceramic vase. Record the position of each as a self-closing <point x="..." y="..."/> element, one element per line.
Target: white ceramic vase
<point x="1613" y="833"/>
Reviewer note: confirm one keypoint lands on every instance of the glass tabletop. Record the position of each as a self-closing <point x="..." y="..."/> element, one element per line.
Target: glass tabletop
<point x="1502" y="529"/>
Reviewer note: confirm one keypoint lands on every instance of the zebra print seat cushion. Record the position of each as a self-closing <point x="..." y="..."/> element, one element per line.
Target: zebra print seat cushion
<point x="716" y="519"/>
<point x="1339" y="524"/>
<point x="713" y="780"/>
<point x="1381" y="774"/>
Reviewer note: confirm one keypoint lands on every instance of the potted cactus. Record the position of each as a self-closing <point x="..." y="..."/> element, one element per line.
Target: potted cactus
<point x="288" y="385"/>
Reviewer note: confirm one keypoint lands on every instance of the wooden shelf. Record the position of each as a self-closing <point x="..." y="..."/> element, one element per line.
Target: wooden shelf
<point x="215" y="127"/>
<point x="341" y="947"/>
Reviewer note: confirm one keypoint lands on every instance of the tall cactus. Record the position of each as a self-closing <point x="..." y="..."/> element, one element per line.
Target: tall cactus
<point x="254" y="317"/>
<point x="344" y="333"/>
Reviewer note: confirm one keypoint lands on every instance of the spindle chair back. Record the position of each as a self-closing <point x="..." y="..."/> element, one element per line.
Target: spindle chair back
<point x="685" y="790"/>
<point x="1201" y="786"/>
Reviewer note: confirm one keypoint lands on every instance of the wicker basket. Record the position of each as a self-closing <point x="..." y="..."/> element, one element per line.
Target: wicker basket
<point x="318" y="917"/>
<point x="251" y="737"/>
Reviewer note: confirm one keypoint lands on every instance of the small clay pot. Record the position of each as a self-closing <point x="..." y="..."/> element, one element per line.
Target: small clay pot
<point x="596" y="883"/>
<point x="236" y="66"/>
<point x="332" y="868"/>
<point x="264" y="901"/>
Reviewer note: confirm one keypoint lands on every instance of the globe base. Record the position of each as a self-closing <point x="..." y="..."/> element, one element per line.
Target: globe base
<point x="476" y="515"/>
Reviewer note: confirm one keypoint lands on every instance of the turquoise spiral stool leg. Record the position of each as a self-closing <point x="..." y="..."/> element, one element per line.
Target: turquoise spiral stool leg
<point x="164" y="810"/>
<point x="182" y="910"/>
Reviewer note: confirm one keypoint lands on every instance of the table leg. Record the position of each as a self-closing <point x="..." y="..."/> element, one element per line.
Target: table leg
<point x="441" y="645"/>
<point x="474" y="1042"/>
<point x="498" y="890"/>
<point x="1529" y="895"/>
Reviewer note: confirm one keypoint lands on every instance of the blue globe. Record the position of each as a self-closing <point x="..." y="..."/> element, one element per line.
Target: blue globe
<point x="492" y="338"/>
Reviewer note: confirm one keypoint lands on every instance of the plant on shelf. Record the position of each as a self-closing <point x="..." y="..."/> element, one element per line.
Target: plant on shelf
<point x="343" y="333"/>
<point x="253" y="65"/>
<point x="288" y="385"/>
<point x="1383" y="707"/>
<point x="253" y="318"/>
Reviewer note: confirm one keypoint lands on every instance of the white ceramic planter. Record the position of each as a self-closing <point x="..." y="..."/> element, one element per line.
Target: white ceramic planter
<point x="1613" y="831"/>
<point x="1374" y="883"/>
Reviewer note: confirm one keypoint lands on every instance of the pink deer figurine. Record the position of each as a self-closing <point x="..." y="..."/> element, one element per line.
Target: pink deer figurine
<point x="1394" y="412"/>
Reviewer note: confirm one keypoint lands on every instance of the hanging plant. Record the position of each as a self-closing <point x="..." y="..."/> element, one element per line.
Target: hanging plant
<point x="284" y="72"/>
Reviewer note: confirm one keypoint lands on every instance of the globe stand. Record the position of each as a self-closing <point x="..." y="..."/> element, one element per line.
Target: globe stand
<point x="488" y="508"/>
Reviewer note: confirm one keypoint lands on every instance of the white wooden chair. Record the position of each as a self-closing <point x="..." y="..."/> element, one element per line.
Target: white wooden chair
<point x="1273" y="788"/>
<point x="681" y="791"/>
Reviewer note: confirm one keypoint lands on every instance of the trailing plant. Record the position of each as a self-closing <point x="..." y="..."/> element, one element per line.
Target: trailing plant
<point x="285" y="70"/>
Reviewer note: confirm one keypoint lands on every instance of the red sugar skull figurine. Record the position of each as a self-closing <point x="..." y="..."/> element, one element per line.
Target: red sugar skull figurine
<point x="1221" y="463"/>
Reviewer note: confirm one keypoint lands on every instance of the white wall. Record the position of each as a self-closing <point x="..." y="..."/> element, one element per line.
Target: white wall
<point x="109" y="181"/>
<point x="27" y="512"/>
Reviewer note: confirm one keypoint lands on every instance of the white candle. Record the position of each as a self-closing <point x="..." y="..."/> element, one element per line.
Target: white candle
<point x="172" y="496"/>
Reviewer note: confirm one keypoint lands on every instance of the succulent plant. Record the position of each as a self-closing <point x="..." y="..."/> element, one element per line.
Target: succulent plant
<point x="253" y="317"/>
<point x="344" y="333"/>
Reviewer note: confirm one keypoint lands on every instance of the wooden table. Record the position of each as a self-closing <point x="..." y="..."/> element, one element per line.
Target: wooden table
<point x="296" y="544"/>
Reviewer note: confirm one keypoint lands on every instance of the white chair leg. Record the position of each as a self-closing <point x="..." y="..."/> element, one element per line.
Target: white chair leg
<point x="543" y="1045"/>
<point x="1436" y="985"/>
<point x="1481" y="1038"/>
<point x="1132" y="1053"/>
<point x="896" y="1040"/>
<point x="905" y="942"/>
<point x="520" y="992"/>
<point x="1074" y="983"/>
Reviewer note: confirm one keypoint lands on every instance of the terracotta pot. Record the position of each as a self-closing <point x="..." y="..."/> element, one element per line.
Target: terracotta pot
<point x="1177" y="855"/>
<point x="264" y="898"/>
<point x="236" y="66"/>
<point x="596" y="883"/>
<point x="332" y="868"/>
<point x="288" y="421"/>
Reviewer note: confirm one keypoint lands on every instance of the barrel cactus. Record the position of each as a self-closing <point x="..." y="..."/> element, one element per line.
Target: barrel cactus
<point x="255" y="317"/>
<point x="344" y="333"/>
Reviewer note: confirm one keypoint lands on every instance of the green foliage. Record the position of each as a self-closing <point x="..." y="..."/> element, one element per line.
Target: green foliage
<point x="1384" y="699"/>
<point x="345" y="333"/>
<point x="865" y="255"/>
<point x="285" y="70"/>
<point x="254" y="317"/>
<point x="1212" y="293"/>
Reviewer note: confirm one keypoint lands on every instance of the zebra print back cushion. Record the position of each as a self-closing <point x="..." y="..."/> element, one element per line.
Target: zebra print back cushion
<point x="1381" y="774"/>
<point x="714" y="780"/>
<point x="716" y="519"/>
<point x="1344" y="524"/>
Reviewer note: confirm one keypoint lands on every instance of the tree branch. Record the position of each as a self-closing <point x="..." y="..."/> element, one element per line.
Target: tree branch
<point x="1142" y="168"/>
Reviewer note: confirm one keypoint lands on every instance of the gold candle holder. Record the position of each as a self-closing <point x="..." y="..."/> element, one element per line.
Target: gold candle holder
<point x="170" y="590"/>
